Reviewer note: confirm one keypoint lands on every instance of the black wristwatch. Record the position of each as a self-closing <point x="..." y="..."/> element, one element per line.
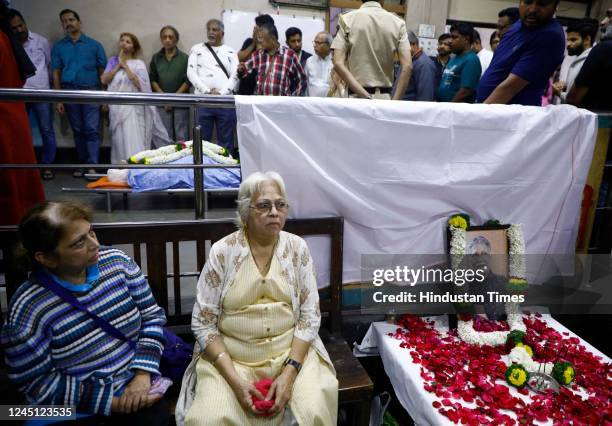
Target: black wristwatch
<point x="293" y="363"/>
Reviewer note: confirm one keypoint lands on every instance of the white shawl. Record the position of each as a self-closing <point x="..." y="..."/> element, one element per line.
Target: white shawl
<point x="224" y="261"/>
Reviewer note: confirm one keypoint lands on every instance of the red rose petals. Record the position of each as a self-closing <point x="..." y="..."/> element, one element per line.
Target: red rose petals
<point x="458" y="373"/>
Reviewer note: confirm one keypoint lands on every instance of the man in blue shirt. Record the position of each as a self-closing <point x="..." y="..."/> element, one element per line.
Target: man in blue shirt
<point x="460" y="77"/>
<point x="422" y="86"/>
<point x="77" y="62"/>
<point x="527" y="56"/>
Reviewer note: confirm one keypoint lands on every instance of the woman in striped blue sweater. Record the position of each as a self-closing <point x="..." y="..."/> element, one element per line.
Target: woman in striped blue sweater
<point x="57" y="354"/>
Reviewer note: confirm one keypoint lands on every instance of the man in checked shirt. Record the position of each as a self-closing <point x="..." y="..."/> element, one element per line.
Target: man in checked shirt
<point x="276" y="66"/>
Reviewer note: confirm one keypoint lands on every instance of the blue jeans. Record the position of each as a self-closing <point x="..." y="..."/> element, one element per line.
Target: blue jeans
<point x="224" y="119"/>
<point x="44" y="118"/>
<point x="85" y="122"/>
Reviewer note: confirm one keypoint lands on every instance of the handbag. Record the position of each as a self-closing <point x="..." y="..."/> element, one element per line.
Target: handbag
<point x="176" y="355"/>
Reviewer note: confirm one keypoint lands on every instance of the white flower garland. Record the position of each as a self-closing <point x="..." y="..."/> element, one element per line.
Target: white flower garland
<point x="517" y="252"/>
<point x="457" y="246"/>
<point x="164" y="150"/>
<point x="167" y="158"/>
<point x="516" y="267"/>
<point x="518" y="355"/>
<point x="169" y="153"/>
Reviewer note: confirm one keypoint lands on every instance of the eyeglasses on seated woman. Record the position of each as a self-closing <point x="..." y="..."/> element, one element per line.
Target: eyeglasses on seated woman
<point x="256" y="319"/>
<point x="58" y="351"/>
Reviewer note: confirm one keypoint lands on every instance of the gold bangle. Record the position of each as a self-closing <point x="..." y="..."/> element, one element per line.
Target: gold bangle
<point x="218" y="357"/>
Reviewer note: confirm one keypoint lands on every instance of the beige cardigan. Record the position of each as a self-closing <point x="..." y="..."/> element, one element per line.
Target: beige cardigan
<point x="224" y="261"/>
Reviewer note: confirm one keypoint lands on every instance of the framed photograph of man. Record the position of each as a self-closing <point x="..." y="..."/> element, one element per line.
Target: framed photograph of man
<point x="488" y="246"/>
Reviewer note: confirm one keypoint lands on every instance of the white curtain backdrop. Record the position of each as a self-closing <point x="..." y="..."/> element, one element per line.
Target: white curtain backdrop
<point x="396" y="171"/>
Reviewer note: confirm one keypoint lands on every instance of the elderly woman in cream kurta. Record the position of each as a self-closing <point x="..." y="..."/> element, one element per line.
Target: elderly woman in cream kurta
<point x="257" y="316"/>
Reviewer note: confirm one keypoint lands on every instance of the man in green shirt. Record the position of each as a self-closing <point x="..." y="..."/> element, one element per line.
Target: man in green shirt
<point x="462" y="73"/>
<point x="168" y="73"/>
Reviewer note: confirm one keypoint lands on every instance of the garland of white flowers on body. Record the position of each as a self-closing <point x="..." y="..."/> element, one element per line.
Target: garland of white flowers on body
<point x="458" y="226"/>
<point x="169" y="153"/>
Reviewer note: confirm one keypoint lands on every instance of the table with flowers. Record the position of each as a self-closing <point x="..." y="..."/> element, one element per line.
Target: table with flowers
<point x="440" y="379"/>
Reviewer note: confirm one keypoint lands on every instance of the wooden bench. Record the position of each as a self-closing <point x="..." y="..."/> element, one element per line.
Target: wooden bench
<point x="355" y="387"/>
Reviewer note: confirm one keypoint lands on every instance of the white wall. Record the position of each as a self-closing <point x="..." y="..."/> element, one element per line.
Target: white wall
<point x="104" y="20"/>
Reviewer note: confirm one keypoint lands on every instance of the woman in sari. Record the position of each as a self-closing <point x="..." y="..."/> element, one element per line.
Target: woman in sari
<point x="134" y="128"/>
<point x="256" y="318"/>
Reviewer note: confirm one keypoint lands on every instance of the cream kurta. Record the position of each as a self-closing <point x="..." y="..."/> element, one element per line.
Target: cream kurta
<point x="257" y="327"/>
<point x="370" y="36"/>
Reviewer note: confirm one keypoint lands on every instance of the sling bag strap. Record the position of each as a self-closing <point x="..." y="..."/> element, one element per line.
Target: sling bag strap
<point x="217" y="59"/>
<point x="40" y="277"/>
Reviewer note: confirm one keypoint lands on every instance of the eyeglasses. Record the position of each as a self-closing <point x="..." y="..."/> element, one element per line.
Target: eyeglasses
<point x="266" y="206"/>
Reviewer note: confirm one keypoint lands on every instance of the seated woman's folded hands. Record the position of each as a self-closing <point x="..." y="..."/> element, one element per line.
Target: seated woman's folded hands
<point x="136" y="394"/>
<point x="245" y="392"/>
<point x="281" y="389"/>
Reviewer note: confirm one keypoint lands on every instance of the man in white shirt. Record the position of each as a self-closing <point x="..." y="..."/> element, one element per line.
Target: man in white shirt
<point x="319" y="66"/>
<point x="485" y="56"/>
<point x="38" y="49"/>
<point x="580" y="38"/>
<point x="212" y="70"/>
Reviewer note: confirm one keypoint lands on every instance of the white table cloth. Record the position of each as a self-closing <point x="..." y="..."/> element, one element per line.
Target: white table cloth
<point x="405" y="376"/>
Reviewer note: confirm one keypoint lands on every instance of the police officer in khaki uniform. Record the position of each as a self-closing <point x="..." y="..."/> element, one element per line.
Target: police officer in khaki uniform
<point x="364" y="49"/>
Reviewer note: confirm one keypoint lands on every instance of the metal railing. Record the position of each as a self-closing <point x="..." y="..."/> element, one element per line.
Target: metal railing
<point x="124" y="98"/>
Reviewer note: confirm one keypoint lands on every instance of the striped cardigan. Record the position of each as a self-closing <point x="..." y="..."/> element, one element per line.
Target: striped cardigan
<point x="58" y="355"/>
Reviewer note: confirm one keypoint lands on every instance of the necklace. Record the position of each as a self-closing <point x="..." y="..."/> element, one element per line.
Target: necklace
<point x="266" y="267"/>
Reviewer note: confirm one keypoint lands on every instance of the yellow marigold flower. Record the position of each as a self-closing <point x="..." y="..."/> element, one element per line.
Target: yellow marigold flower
<point x="458" y="222"/>
<point x="526" y="347"/>
<point x="518" y="377"/>
<point x="568" y="374"/>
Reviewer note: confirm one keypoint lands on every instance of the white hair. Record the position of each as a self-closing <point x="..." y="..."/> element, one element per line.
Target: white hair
<point x="250" y="188"/>
<point x="216" y="22"/>
<point x="328" y="38"/>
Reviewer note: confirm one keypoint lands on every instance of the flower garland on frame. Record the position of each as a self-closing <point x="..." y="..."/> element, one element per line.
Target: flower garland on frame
<point x="458" y="226"/>
<point x="521" y="355"/>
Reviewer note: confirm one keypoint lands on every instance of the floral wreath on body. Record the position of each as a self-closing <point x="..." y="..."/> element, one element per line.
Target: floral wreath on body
<point x="521" y="354"/>
<point x="169" y="153"/>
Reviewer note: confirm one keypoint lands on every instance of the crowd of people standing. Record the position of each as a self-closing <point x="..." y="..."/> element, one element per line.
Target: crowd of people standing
<point x="373" y="55"/>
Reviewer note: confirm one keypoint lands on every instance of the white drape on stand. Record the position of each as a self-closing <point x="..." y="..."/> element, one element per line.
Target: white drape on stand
<point x="396" y="171"/>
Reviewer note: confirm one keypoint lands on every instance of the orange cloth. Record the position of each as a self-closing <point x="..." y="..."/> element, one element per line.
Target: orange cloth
<point x="103" y="182"/>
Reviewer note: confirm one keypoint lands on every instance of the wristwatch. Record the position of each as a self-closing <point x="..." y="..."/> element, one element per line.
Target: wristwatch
<point x="293" y="363"/>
